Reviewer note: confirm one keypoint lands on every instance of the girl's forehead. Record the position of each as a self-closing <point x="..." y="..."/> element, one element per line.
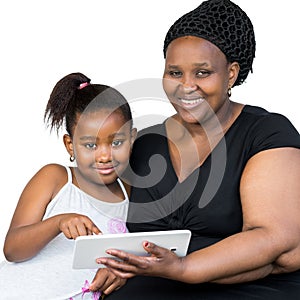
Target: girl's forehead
<point x="103" y="122"/>
<point x="101" y="115"/>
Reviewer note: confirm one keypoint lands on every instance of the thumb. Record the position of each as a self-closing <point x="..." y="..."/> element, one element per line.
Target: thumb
<point x="153" y="249"/>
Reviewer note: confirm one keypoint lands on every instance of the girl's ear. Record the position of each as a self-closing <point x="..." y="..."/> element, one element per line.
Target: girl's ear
<point x="234" y="69"/>
<point x="133" y="135"/>
<point x="68" y="144"/>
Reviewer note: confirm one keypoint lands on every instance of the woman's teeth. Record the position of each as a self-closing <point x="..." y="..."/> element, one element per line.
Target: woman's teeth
<point x="194" y="101"/>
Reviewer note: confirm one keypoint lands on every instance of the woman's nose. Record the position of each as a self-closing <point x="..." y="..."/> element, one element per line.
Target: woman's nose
<point x="188" y="84"/>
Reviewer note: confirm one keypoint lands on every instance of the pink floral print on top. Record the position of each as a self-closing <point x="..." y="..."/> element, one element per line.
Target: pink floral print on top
<point x="116" y="225"/>
<point x="94" y="295"/>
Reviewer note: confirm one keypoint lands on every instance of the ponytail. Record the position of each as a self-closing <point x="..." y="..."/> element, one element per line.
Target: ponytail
<point x="61" y="98"/>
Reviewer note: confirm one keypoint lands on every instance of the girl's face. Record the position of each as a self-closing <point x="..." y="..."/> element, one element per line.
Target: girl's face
<point x="102" y="144"/>
<point x="197" y="76"/>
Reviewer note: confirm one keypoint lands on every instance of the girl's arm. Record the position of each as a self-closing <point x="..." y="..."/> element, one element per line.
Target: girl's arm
<point x="269" y="242"/>
<point x="28" y="233"/>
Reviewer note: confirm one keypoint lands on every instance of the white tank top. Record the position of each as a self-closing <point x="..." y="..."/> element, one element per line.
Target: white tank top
<point x="49" y="274"/>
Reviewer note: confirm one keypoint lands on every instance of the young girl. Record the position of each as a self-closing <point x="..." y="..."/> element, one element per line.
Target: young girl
<point x="61" y="203"/>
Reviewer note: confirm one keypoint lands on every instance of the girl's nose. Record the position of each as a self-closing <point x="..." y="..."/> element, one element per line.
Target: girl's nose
<point x="103" y="154"/>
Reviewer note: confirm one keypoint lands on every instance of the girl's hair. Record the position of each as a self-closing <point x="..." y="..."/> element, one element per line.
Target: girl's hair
<point x="74" y="94"/>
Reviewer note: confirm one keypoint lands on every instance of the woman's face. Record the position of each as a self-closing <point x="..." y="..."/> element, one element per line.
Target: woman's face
<point x="197" y="76"/>
<point x="101" y="144"/>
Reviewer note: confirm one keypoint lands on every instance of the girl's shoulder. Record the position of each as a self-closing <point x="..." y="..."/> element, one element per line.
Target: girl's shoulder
<point x="55" y="175"/>
<point x="54" y="170"/>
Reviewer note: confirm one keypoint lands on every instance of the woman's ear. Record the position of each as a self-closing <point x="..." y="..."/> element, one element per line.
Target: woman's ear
<point x="234" y="69"/>
<point x="68" y="144"/>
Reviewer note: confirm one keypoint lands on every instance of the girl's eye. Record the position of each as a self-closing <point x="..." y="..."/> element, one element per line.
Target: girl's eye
<point x="91" y="146"/>
<point x="117" y="143"/>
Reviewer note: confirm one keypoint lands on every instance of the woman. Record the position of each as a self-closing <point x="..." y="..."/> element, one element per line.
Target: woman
<point x="230" y="175"/>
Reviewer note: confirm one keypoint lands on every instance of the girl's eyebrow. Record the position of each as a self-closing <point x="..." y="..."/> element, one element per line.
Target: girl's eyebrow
<point x="94" y="138"/>
<point x="117" y="134"/>
<point x="87" y="138"/>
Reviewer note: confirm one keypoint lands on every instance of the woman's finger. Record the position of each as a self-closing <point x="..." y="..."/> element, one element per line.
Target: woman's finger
<point x="124" y="266"/>
<point x="127" y="258"/>
<point x="154" y="250"/>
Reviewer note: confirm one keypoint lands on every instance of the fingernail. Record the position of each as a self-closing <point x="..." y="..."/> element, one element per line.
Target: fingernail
<point x="147" y="244"/>
<point x="99" y="261"/>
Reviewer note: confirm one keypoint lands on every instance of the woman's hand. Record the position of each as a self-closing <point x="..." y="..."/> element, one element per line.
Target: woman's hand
<point x="160" y="262"/>
<point x="106" y="281"/>
<point x="73" y="225"/>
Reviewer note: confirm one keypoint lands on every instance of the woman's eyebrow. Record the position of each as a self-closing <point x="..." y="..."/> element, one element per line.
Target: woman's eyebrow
<point x="204" y="64"/>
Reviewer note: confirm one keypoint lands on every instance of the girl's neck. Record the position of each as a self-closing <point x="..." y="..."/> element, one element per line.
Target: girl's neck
<point x="112" y="193"/>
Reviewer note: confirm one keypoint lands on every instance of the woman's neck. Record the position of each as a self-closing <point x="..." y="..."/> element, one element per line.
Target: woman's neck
<point x="191" y="144"/>
<point x="217" y="124"/>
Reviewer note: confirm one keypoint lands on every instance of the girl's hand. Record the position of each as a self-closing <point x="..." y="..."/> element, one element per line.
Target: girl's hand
<point x="106" y="281"/>
<point x="74" y="225"/>
<point x="160" y="262"/>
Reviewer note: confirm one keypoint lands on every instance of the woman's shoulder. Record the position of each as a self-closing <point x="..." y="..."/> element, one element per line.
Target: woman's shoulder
<point x="156" y="129"/>
<point x="149" y="139"/>
<point x="259" y="114"/>
<point x="255" y="110"/>
<point x="264" y="130"/>
<point x="266" y="119"/>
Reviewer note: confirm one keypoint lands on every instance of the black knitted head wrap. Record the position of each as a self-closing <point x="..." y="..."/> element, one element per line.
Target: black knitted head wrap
<point x="224" y="24"/>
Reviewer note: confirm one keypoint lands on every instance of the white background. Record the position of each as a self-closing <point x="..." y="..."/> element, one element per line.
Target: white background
<point x="113" y="42"/>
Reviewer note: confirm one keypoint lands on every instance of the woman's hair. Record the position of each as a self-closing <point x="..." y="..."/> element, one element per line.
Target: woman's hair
<point x="224" y="24"/>
<point x="74" y="95"/>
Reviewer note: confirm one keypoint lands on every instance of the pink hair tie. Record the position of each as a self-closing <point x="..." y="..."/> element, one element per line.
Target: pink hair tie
<point x="83" y="85"/>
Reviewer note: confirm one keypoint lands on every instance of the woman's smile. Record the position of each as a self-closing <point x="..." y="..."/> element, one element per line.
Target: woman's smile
<point x="190" y="103"/>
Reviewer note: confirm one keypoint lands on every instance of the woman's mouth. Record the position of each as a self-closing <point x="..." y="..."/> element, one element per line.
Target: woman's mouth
<point x="190" y="103"/>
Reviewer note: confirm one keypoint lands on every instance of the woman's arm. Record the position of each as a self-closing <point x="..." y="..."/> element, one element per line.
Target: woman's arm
<point x="28" y="233"/>
<point x="269" y="242"/>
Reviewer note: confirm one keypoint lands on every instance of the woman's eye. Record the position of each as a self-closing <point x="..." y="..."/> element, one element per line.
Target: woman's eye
<point x="175" y="74"/>
<point x="91" y="146"/>
<point x="202" y="73"/>
<point x="117" y="143"/>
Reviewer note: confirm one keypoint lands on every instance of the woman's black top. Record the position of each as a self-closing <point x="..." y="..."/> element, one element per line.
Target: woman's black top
<point x="207" y="202"/>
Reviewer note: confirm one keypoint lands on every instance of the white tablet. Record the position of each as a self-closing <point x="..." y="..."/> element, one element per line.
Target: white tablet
<point x="88" y="248"/>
